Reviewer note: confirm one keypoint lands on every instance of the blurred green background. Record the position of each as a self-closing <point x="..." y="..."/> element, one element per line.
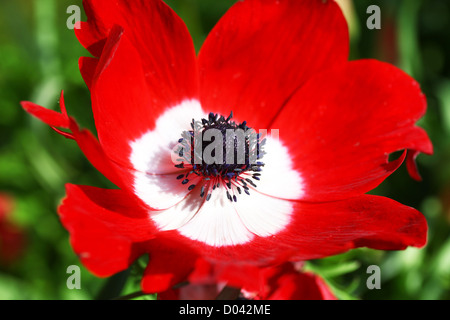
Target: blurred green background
<point x="39" y="57"/>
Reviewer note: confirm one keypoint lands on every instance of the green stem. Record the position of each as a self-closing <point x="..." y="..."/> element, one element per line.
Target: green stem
<point x="114" y="286"/>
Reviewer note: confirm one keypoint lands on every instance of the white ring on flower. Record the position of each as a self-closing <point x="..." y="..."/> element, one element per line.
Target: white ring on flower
<point x="217" y="222"/>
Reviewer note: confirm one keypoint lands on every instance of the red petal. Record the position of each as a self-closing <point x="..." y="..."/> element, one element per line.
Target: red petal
<point x="290" y="284"/>
<point x="160" y="38"/>
<point x="127" y="98"/>
<point x="342" y="125"/>
<point x="260" y="52"/>
<point x="107" y="228"/>
<point x="50" y="117"/>
<point x="411" y="165"/>
<point x="232" y="272"/>
<point x="88" y="67"/>
<point x="281" y="282"/>
<point x="323" y="229"/>
<point x="171" y="294"/>
<point x="247" y="277"/>
<point x="85" y="140"/>
<point x="325" y="291"/>
<point x="319" y="230"/>
<point x="95" y="154"/>
<point x="147" y="64"/>
<point x="170" y="263"/>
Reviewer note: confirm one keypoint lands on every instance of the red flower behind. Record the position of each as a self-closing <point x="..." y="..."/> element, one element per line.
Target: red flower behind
<point x="12" y="239"/>
<point x="277" y="64"/>
<point x="287" y="282"/>
<point x="283" y="282"/>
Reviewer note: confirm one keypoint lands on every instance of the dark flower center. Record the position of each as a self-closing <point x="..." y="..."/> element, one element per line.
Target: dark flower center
<point x="221" y="153"/>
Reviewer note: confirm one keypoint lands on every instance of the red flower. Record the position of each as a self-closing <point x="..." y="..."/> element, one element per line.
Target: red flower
<point x="282" y="282"/>
<point x="12" y="240"/>
<point x="288" y="282"/>
<point x="277" y="64"/>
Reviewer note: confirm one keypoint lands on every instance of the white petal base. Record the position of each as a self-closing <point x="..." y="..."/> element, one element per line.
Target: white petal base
<point x="218" y="222"/>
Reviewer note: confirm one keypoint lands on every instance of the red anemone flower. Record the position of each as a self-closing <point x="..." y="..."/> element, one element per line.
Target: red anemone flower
<point x="271" y="64"/>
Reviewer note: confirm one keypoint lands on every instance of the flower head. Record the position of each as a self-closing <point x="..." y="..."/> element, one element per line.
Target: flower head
<point x="320" y="132"/>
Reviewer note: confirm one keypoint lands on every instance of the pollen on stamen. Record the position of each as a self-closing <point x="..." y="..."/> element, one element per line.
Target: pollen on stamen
<point x="228" y="140"/>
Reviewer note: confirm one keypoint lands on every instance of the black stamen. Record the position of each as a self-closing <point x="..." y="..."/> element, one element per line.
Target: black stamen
<point x="191" y="156"/>
<point x="251" y="182"/>
<point x="229" y="117"/>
